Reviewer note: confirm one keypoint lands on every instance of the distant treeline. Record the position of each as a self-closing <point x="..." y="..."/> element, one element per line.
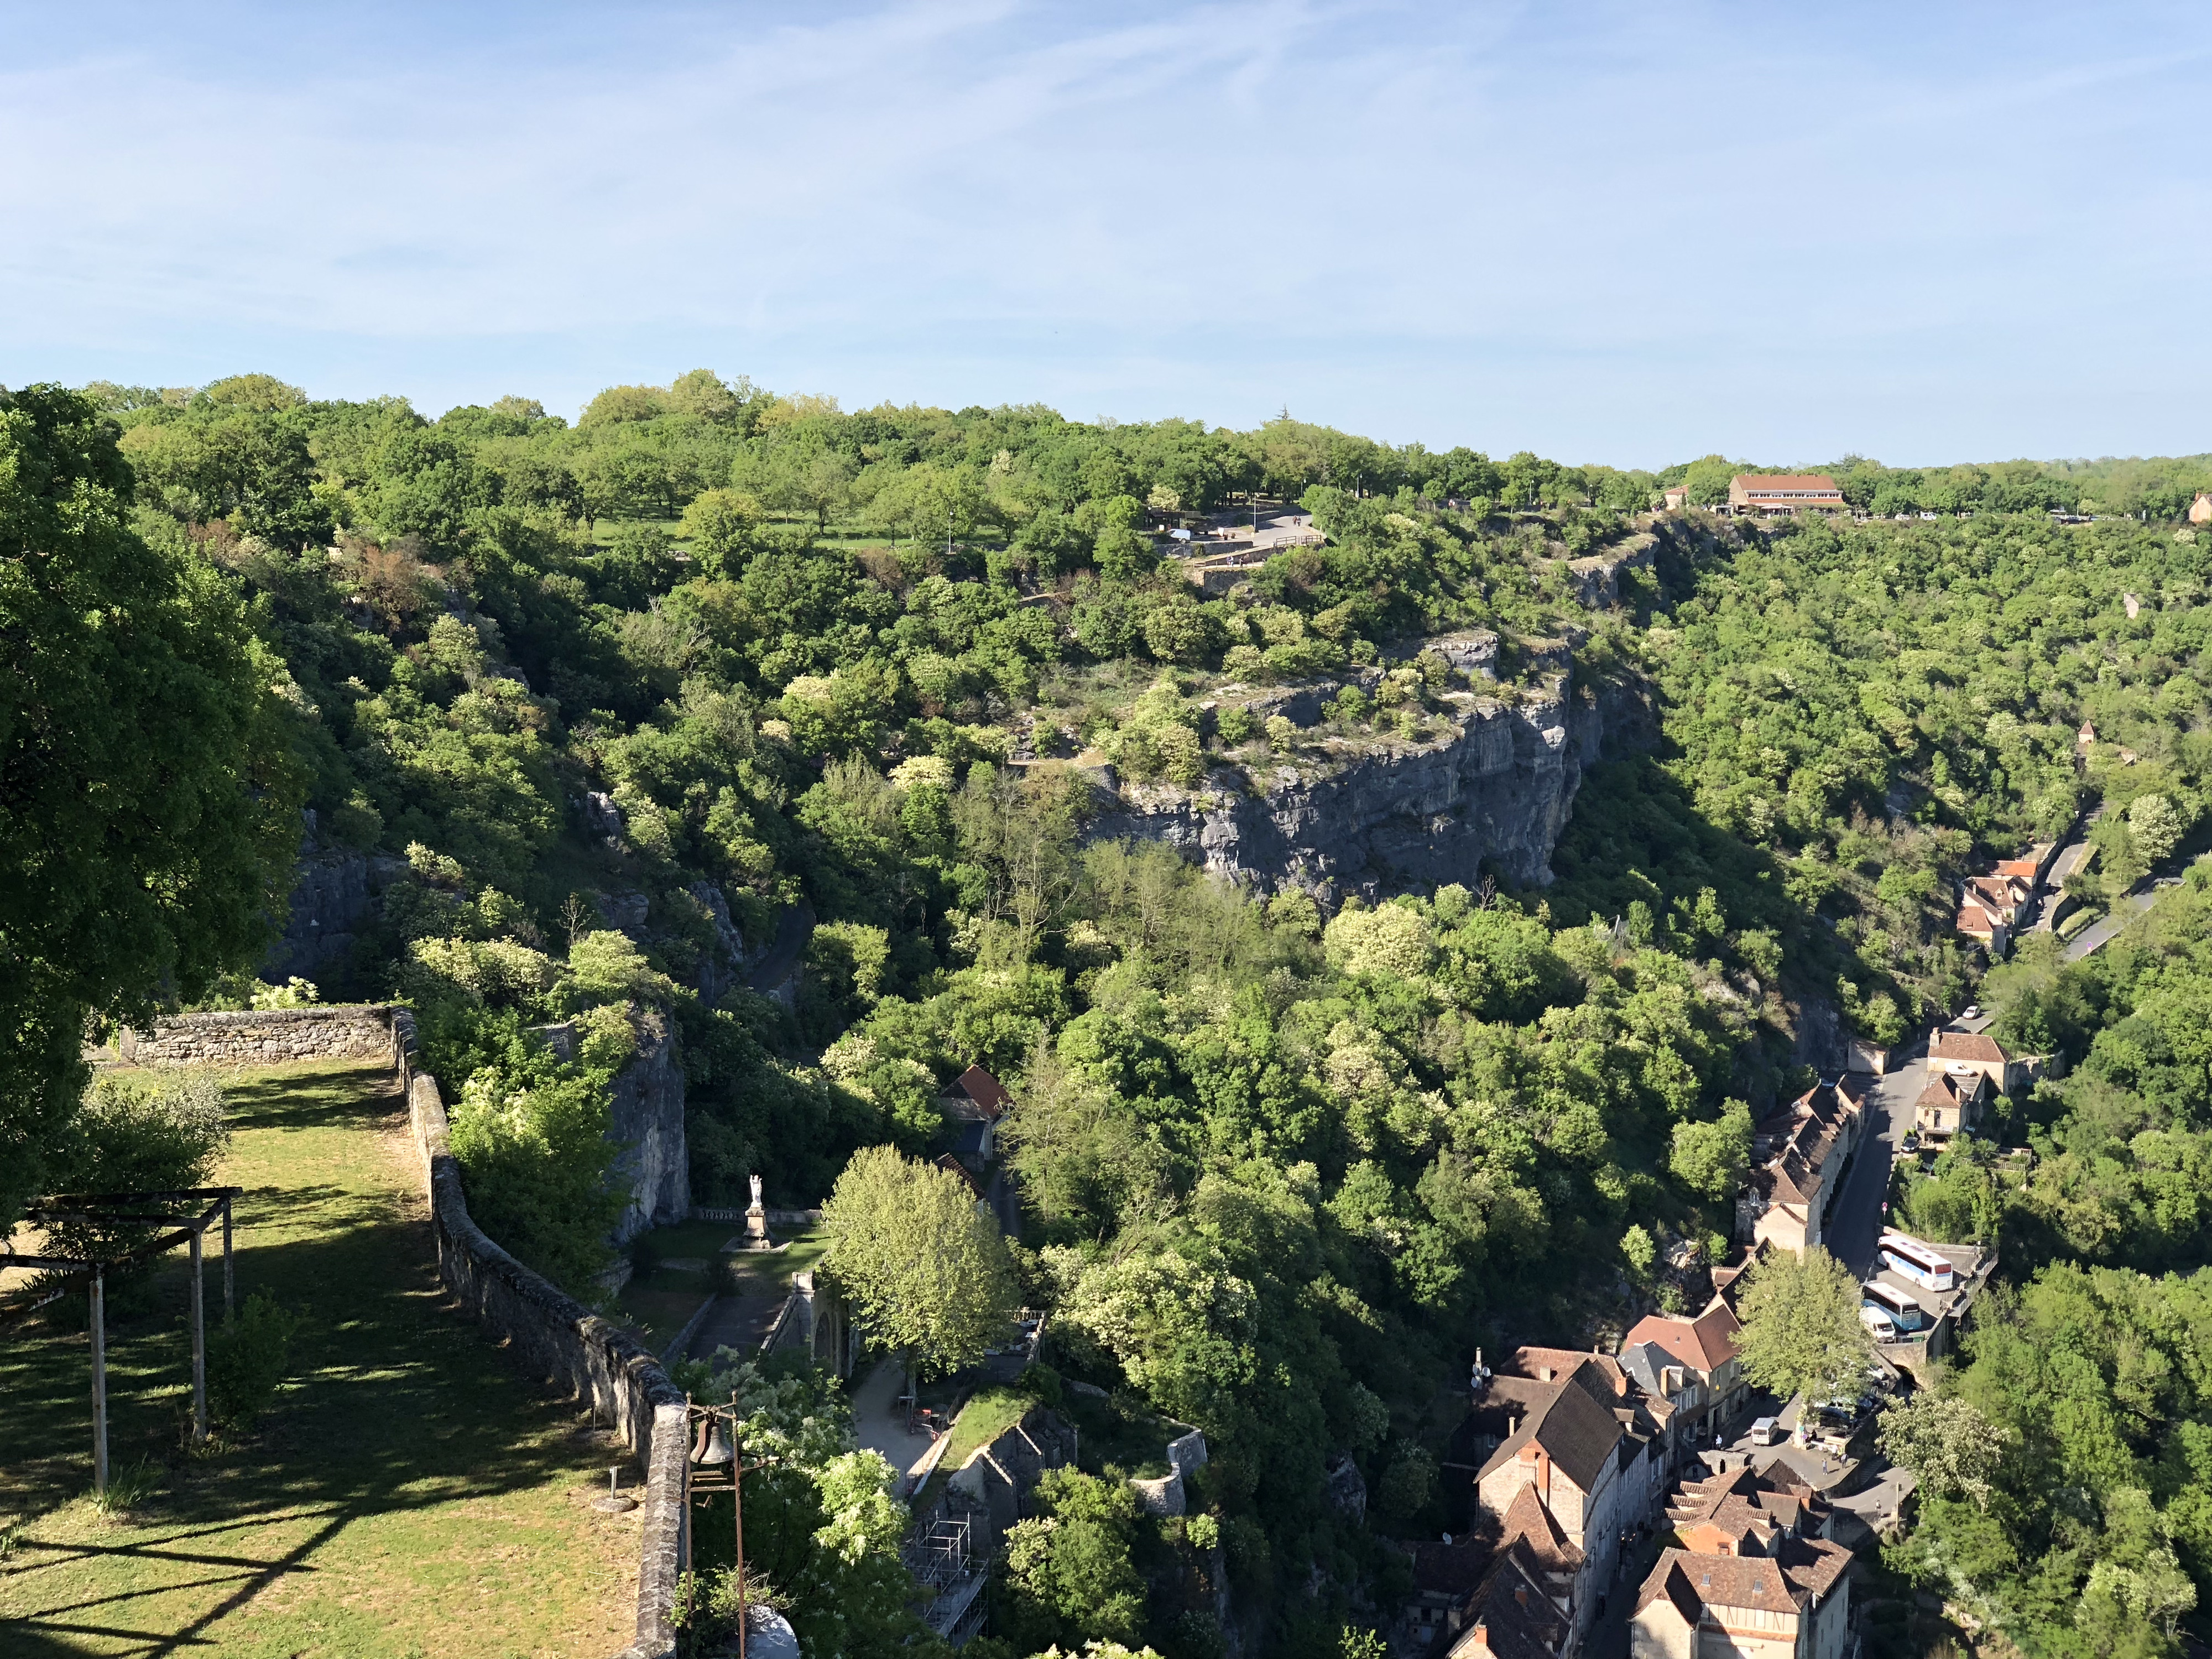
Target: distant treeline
<point x="641" y="451"/>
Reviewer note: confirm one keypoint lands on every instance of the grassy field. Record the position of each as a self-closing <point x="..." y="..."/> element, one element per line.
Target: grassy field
<point x="409" y="1494"/>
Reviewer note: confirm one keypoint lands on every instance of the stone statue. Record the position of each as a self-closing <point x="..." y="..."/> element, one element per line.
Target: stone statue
<point x="756" y="1192"/>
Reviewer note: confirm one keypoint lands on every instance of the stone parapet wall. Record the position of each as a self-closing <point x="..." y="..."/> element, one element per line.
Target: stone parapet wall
<point x="555" y="1337"/>
<point x="263" y="1036"/>
<point x="568" y="1345"/>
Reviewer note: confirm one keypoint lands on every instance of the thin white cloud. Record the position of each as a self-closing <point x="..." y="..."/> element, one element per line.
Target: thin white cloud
<point x="1601" y="230"/>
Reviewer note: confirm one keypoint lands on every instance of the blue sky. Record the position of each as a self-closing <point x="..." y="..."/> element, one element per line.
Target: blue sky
<point x="1632" y="233"/>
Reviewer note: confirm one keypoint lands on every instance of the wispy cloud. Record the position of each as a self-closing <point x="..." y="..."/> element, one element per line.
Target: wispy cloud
<point x="1603" y="230"/>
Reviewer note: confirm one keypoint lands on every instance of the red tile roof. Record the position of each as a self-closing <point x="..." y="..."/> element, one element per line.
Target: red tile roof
<point x="1704" y="1344"/>
<point x="947" y="1161"/>
<point x="1768" y="483"/>
<point x="1977" y="1046"/>
<point x="986" y="1090"/>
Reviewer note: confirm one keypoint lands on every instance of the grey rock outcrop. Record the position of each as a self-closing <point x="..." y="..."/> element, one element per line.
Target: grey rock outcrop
<point x="334" y="893"/>
<point x="1596" y="580"/>
<point x="1384" y="815"/>
<point x="723" y="964"/>
<point x="1346" y="1488"/>
<point x="655" y="1162"/>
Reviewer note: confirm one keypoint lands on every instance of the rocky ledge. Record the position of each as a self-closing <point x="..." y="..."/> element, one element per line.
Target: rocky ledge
<point x="1380" y="815"/>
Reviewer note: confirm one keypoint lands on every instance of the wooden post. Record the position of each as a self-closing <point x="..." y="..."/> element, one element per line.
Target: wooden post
<point x="100" y="1379"/>
<point x="738" y="1503"/>
<point x="199" y="1343"/>
<point x="228" y="1305"/>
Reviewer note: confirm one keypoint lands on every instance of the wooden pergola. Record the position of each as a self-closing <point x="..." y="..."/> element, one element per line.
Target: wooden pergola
<point x="186" y="1214"/>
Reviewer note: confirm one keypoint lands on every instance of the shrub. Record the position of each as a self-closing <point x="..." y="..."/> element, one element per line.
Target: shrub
<point x="1237" y="725"/>
<point x="245" y="1360"/>
<point x="135" y="1135"/>
<point x="1041" y="1381"/>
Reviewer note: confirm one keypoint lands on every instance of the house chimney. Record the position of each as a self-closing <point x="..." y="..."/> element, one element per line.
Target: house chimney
<point x="1521" y="1596"/>
<point x="1482" y="1635"/>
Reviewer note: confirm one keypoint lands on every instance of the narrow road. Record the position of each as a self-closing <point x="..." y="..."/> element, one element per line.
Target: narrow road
<point x="795" y="927"/>
<point x="2064" y="863"/>
<point x="1854" y="1229"/>
<point x="2100" y="933"/>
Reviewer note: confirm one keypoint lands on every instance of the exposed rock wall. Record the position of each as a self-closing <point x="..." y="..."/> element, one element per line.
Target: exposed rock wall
<point x="334" y="894"/>
<point x="655" y="1163"/>
<point x="1383" y="816"/>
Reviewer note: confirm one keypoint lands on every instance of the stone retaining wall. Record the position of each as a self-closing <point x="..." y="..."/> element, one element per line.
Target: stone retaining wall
<point x="264" y="1037"/>
<point x="556" y="1337"/>
<point x="563" y="1343"/>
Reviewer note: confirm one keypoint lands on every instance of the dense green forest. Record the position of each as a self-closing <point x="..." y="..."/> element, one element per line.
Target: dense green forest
<point x="1285" y="1162"/>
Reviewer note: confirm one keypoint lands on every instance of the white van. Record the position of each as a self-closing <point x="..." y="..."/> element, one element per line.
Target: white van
<point x="1764" y="1431"/>
<point x="1880" y="1325"/>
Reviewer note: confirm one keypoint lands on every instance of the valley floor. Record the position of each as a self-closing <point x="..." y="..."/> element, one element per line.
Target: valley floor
<point x="409" y="1494"/>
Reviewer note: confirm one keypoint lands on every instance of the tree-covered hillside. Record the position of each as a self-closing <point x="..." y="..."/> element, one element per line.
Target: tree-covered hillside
<point x="1286" y="1157"/>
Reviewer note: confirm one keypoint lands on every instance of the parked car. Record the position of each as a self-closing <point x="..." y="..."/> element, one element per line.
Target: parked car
<point x="1880" y="1325"/>
<point x="1764" y="1431"/>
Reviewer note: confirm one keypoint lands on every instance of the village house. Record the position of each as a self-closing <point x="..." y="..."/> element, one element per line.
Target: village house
<point x="1526" y="1606"/>
<point x="1798" y="1155"/>
<point x="1579" y="1448"/>
<point x="1991" y="908"/>
<point x="1757" y="1573"/>
<point x="1748" y="1511"/>
<point x="1951" y="1103"/>
<point x="1784" y="494"/>
<point x="2008" y="1074"/>
<point x="2200" y="510"/>
<point x="1693" y="1382"/>
<point x="971" y="1112"/>
<point x="1676" y="496"/>
<point x="1794" y="1604"/>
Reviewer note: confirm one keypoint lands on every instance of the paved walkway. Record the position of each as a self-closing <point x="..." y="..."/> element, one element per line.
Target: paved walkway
<point x="741" y="1322"/>
<point x="879" y="1421"/>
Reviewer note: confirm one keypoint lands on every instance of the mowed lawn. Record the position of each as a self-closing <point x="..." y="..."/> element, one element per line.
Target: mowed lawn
<point x="409" y="1494"/>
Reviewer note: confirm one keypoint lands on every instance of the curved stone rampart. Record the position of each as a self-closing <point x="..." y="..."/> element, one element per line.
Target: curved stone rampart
<point x="563" y="1343"/>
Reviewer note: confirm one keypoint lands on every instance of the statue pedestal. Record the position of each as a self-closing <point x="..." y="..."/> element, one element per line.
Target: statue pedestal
<point x="756" y="1237"/>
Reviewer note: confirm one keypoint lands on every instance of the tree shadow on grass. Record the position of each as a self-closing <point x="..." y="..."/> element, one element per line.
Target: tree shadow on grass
<point x="397" y="1404"/>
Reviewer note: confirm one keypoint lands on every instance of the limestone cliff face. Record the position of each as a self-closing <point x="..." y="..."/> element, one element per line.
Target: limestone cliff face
<point x="655" y="1163"/>
<point x="1382" y="815"/>
<point x="334" y="894"/>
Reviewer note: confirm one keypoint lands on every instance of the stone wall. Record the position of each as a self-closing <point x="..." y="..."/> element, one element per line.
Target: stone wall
<point x="270" y="1036"/>
<point x="562" y="1343"/>
<point x="1000" y="1477"/>
<point x="1167" y="1495"/>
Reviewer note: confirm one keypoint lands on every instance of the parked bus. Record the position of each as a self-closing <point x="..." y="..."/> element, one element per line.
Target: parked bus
<point x="1910" y="1259"/>
<point x="1900" y="1309"/>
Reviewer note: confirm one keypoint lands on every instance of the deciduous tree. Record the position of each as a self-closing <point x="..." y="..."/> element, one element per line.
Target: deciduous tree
<point x="927" y="1270"/>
